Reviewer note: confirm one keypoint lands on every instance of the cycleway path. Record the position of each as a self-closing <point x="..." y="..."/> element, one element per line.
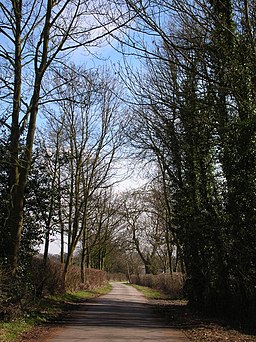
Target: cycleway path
<point x="122" y="315"/>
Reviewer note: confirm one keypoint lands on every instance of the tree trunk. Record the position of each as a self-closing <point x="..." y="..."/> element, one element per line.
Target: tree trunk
<point x="20" y="165"/>
<point x="46" y="246"/>
<point x="15" y="216"/>
<point x="83" y="257"/>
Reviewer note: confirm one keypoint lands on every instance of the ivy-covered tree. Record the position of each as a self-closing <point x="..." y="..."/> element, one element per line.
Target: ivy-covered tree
<point x="195" y="118"/>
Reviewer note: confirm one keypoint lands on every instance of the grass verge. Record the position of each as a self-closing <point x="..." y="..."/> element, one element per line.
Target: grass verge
<point x="45" y="310"/>
<point x="151" y="293"/>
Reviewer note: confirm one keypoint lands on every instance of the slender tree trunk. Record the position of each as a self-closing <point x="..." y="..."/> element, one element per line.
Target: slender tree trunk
<point x="62" y="252"/>
<point x="20" y="165"/>
<point x="14" y="222"/>
<point x="62" y="226"/>
<point x="17" y="185"/>
<point x="46" y="246"/>
<point x="169" y="248"/>
<point x="83" y="258"/>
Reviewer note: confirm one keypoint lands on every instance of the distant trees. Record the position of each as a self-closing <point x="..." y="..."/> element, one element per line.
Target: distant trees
<point x="102" y="235"/>
<point x="195" y="118"/>
<point x="145" y="226"/>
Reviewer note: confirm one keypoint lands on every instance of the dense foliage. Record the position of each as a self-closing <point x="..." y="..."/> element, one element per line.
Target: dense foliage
<point x="195" y="118"/>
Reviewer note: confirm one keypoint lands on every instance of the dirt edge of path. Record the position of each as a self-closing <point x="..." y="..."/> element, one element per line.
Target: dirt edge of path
<point x="197" y="327"/>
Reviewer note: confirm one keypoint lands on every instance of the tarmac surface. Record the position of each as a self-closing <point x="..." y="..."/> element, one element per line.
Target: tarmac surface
<point x="121" y="315"/>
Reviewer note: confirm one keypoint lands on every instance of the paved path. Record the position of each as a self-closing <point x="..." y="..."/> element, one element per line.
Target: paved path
<point x="122" y="315"/>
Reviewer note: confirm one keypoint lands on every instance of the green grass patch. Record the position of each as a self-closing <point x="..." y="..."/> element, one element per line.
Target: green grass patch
<point x="10" y="330"/>
<point x="44" y="310"/>
<point x="151" y="293"/>
<point x="80" y="295"/>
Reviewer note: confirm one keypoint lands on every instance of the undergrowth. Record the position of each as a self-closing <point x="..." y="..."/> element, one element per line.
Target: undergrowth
<point x="44" y="310"/>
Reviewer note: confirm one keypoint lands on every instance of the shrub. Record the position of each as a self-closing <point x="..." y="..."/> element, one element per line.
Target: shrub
<point x="94" y="278"/>
<point x="14" y="292"/>
<point x="49" y="279"/>
<point x="40" y="279"/>
<point x="171" y="284"/>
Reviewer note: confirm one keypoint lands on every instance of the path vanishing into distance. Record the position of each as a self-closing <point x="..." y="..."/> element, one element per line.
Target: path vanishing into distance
<point x="121" y="315"/>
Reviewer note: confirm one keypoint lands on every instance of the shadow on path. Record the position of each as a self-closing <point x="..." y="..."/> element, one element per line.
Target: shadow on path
<point x="122" y="315"/>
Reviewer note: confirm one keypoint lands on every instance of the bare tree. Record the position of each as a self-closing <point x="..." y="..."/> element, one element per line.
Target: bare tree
<point x="102" y="229"/>
<point x="145" y="228"/>
<point x="36" y="35"/>
<point x="90" y="138"/>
